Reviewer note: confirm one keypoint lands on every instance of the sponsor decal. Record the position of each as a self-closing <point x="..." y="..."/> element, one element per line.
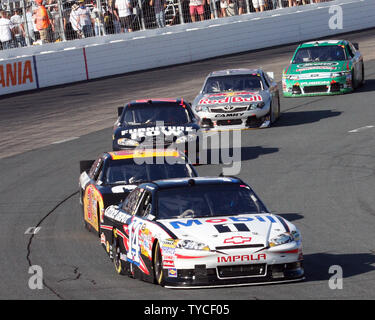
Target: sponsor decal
<point x="172" y="273"/>
<point x="102" y="238"/>
<point x="117" y="215"/>
<point x="121" y="189"/>
<point x="145" y="241"/>
<point x="314" y="83"/>
<point x="237" y="240"/>
<point x="241" y="258"/>
<point x="15" y="74"/>
<point x="156" y="131"/>
<point x="225" y="115"/>
<point x="232" y="99"/>
<point x="168" y="264"/>
<point x="169" y="243"/>
<point x="190" y="222"/>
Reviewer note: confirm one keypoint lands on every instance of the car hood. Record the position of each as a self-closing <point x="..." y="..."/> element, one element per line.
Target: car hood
<point x="231" y="98"/>
<point x="229" y="231"/>
<point x="312" y="67"/>
<point x="145" y="132"/>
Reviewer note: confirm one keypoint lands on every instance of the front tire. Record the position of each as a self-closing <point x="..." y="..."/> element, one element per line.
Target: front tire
<point x="363" y="75"/>
<point x="158" y="265"/>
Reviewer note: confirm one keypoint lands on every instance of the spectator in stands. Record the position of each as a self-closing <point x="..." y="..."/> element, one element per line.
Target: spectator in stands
<point x="84" y="20"/>
<point x="215" y="9"/>
<point x="56" y="21"/>
<point x="197" y="7"/>
<point x="98" y="18"/>
<point x="292" y="3"/>
<point x="6" y="33"/>
<point x="258" y="4"/>
<point x="232" y="9"/>
<point x="18" y="29"/>
<point x="159" y="7"/>
<point x="108" y="20"/>
<point x="223" y="7"/>
<point x="42" y="22"/>
<point x="124" y="14"/>
<point x="272" y="4"/>
<point x="241" y="7"/>
<point x="30" y="24"/>
<point x="74" y="20"/>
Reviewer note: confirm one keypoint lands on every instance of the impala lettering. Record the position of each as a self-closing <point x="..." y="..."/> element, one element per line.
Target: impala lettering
<point x="245" y="257"/>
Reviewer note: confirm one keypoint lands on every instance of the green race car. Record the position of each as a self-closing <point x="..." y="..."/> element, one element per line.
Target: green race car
<point x="323" y="68"/>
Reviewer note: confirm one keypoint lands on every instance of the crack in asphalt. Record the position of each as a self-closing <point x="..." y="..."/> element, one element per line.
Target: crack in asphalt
<point x="32" y="237"/>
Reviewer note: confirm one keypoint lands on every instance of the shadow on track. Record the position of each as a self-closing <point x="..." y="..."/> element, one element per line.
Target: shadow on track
<point x="352" y="264"/>
<point x="214" y="156"/>
<point x="367" y="87"/>
<point x="304" y="117"/>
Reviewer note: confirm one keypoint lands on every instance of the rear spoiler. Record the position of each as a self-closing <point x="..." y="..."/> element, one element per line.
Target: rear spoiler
<point x="119" y="111"/>
<point x="85" y="165"/>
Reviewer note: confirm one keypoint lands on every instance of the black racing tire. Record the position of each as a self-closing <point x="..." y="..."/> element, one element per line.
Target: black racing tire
<point x="98" y="219"/>
<point x="158" y="265"/>
<point x="354" y="82"/>
<point x="363" y="75"/>
<point x="119" y="264"/>
<point x="272" y="117"/>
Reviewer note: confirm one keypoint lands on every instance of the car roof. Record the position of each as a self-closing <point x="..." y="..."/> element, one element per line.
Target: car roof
<point x="157" y="101"/>
<point x="323" y="43"/>
<point x="183" y="182"/>
<point x="228" y="72"/>
<point x="142" y="153"/>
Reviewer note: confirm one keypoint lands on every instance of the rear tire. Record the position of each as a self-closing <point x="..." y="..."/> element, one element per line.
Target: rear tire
<point x="117" y="262"/>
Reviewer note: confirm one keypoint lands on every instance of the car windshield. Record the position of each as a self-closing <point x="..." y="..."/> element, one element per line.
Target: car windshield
<point x="207" y="201"/>
<point x="169" y="114"/>
<point x="317" y="54"/>
<point x="127" y="171"/>
<point x="249" y="82"/>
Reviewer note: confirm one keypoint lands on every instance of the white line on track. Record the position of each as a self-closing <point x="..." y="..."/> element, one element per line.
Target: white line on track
<point x="361" y="129"/>
<point x="65" y="140"/>
<point x="32" y="230"/>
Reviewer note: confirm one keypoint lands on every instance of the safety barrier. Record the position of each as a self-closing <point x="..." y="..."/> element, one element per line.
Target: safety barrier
<point x="148" y="49"/>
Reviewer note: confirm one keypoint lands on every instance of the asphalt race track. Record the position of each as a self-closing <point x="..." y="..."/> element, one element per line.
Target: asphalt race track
<point x="311" y="168"/>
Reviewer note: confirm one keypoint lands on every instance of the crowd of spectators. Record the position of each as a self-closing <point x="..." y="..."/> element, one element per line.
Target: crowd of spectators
<point x="44" y="21"/>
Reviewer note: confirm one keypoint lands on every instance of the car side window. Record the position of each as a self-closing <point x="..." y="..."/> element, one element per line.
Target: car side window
<point x="98" y="171"/>
<point x="266" y="80"/>
<point x="130" y="203"/>
<point x="351" y="51"/>
<point x="145" y="206"/>
<point x="95" y="168"/>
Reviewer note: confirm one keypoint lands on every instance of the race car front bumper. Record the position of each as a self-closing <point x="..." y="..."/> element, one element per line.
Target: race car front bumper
<point x="236" y="120"/>
<point x="232" y="266"/>
<point x="317" y="87"/>
<point x="235" y="275"/>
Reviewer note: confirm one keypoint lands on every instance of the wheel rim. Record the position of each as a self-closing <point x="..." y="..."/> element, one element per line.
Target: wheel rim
<point x="116" y="259"/>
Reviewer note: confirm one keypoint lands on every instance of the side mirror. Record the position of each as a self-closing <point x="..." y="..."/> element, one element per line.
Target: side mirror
<point x="356" y="46"/>
<point x="119" y="111"/>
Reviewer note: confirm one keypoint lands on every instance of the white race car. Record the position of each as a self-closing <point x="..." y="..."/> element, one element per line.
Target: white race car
<point x="200" y="232"/>
<point x="238" y="99"/>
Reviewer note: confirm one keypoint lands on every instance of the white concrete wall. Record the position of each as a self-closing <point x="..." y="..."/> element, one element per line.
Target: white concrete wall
<point x="116" y="54"/>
